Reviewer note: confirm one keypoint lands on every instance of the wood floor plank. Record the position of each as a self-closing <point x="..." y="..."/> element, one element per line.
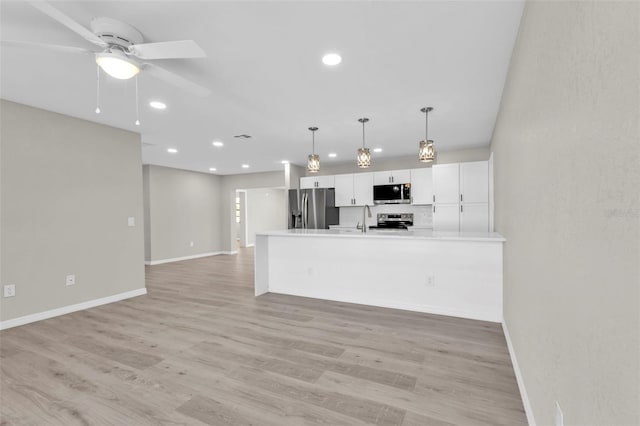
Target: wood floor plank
<point x="199" y="348"/>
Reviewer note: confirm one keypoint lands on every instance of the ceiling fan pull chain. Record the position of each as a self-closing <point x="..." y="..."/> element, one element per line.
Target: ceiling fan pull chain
<point x="137" y="111"/>
<point x="98" y="90"/>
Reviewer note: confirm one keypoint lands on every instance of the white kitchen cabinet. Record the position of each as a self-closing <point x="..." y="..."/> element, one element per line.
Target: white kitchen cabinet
<point x="390" y="177"/>
<point x="446" y="183"/>
<point x="317" y="182"/>
<point x="363" y="189"/>
<point x="474" y="217"/>
<point x="446" y="217"/>
<point x="344" y="190"/>
<point x="354" y="189"/>
<point x="461" y="197"/>
<point x="421" y="186"/>
<point x="474" y="182"/>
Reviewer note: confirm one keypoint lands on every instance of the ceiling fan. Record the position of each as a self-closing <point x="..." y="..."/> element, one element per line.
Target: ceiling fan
<point x="124" y="53"/>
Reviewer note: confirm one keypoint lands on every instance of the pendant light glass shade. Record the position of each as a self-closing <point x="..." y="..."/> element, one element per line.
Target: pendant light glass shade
<point x="313" y="164"/>
<point x="364" y="156"/>
<point x="427" y="153"/>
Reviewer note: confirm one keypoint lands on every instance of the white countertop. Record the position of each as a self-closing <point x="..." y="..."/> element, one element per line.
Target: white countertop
<point x="420" y="234"/>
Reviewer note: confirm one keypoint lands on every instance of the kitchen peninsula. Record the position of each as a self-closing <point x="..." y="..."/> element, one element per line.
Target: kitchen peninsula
<point x="447" y="273"/>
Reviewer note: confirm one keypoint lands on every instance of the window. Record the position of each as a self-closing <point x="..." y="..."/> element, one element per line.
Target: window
<point x="237" y="209"/>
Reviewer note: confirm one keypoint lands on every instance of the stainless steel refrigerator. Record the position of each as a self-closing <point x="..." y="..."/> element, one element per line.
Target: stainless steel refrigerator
<point x="313" y="208"/>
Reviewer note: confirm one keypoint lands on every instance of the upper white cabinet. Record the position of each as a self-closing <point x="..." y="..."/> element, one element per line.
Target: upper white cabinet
<point x="474" y="182"/>
<point x="446" y="183"/>
<point x="391" y="176"/>
<point x="422" y="186"/>
<point x="317" y="182"/>
<point x="354" y="189"/>
<point x="363" y="189"/>
<point x="344" y="190"/>
<point x="461" y="197"/>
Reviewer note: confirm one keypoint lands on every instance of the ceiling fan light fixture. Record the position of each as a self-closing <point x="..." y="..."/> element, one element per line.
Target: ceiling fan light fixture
<point x="117" y="65"/>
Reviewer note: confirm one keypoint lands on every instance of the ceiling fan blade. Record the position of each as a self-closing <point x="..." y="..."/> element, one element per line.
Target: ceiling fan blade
<point x="65" y="20"/>
<point x="176" y="80"/>
<point x="51" y="47"/>
<point x="168" y="50"/>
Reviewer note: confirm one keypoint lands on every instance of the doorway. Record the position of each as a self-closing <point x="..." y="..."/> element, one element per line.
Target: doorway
<point x="241" y="218"/>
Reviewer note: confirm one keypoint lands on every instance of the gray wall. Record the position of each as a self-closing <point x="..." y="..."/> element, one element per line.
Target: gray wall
<point x="399" y="163"/>
<point x="182" y="207"/>
<point x="266" y="211"/>
<point x="68" y="187"/>
<point x="293" y="174"/>
<point x="567" y="185"/>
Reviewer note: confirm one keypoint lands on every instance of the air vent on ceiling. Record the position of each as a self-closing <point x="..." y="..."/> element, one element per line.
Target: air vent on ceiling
<point x="242" y="136"/>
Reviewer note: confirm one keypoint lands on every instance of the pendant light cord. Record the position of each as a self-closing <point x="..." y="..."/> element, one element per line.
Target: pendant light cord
<point x="426" y="126"/>
<point x="313" y="142"/>
<point x="363" y="133"/>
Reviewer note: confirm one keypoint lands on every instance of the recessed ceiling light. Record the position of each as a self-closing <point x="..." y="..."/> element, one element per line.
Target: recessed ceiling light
<point x="245" y="166"/>
<point x="284" y="162"/>
<point x="218" y="144"/>
<point x="157" y="105"/>
<point x="331" y="59"/>
<point x="377" y="149"/>
<point x="172" y="151"/>
<point x="212" y="169"/>
<point x="333" y="155"/>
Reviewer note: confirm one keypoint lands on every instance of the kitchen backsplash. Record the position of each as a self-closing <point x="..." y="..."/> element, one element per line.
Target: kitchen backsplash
<point x="422" y="215"/>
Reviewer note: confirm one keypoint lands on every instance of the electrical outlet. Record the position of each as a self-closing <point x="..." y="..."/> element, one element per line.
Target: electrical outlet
<point x="131" y="221"/>
<point x="559" y="415"/>
<point x="71" y="280"/>
<point x="9" y="290"/>
<point x="431" y="281"/>
<point x="191" y="244"/>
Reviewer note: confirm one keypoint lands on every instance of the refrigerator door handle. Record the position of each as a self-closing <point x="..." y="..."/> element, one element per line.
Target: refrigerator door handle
<point x="304" y="210"/>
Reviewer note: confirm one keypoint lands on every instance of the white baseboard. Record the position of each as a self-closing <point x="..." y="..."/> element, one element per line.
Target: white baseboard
<point x="250" y="245"/>
<point x="177" y="259"/>
<point x="229" y="252"/>
<point x="516" y="368"/>
<point x="71" y="308"/>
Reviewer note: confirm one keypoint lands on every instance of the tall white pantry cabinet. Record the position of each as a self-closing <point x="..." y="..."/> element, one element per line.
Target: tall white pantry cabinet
<point x="461" y="197"/>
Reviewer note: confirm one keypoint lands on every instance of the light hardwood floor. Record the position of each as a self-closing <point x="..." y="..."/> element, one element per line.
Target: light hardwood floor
<point x="201" y="349"/>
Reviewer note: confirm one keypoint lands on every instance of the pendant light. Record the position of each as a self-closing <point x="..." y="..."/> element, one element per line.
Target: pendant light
<point x="426" y="153"/>
<point x="313" y="165"/>
<point x="364" y="156"/>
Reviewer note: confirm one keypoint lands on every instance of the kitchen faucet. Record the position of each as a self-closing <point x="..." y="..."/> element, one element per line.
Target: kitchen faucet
<point x="365" y="209"/>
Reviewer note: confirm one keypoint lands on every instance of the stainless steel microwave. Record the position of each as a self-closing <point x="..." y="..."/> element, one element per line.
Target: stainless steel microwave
<point x="392" y="194"/>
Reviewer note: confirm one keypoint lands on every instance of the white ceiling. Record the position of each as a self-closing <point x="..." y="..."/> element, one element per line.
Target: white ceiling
<point x="266" y="76"/>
